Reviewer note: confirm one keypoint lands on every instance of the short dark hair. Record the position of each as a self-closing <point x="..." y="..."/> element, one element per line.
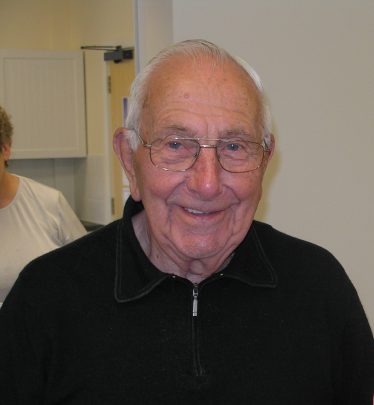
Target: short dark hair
<point x="6" y="128"/>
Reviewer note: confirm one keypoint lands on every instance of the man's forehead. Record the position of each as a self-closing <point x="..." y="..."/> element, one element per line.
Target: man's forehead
<point x="183" y="68"/>
<point x="223" y="85"/>
<point x="179" y="86"/>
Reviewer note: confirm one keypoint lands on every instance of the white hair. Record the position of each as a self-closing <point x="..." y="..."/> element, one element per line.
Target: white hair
<point x="193" y="49"/>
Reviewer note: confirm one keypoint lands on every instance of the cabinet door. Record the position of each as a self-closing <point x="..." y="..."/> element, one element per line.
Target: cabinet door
<point x="43" y="91"/>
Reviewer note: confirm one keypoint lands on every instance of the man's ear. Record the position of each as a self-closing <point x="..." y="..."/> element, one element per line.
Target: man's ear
<point x="125" y="154"/>
<point x="271" y="146"/>
<point x="270" y="151"/>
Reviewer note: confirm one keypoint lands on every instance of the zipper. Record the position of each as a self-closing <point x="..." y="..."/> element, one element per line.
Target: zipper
<point x="195" y="296"/>
<point x="195" y="336"/>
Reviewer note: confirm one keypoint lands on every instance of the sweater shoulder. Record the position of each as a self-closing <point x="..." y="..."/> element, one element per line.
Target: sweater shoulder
<point x="277" y="240"/>
<point x="83" y="255"/>
<point x="294" y="256"/>
<point x="79" y="272"/>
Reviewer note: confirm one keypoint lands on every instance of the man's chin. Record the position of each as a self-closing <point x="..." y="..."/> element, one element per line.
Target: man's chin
<point x="200" y="247"/>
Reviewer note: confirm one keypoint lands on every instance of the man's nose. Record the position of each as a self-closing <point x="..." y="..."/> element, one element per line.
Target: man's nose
<point x="205" y="175"/>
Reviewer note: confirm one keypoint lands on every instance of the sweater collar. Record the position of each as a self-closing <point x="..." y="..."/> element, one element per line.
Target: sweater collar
<point x="136" y="276"/>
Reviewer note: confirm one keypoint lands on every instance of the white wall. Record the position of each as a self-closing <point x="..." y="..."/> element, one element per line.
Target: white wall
<point x="153" y="28"/>
<point x="316" y="59"/>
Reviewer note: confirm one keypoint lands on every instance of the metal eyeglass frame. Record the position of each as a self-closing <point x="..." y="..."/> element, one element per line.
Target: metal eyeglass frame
<point x="265" y="149"/>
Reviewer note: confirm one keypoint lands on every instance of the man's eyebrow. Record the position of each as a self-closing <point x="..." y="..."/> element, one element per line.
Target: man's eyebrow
<point x="177" y="130"/>
<point x="181" y="130"/>
<point x="236" y="133"/>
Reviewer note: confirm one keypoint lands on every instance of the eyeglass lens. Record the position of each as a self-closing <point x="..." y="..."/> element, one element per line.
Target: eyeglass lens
<point x="179" y="154"/>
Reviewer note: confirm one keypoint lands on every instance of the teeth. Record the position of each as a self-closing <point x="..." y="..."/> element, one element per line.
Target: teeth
<point x="195" y="211"/>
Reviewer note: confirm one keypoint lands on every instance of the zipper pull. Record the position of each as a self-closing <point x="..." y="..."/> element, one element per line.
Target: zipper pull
<point x="195" y="294"/>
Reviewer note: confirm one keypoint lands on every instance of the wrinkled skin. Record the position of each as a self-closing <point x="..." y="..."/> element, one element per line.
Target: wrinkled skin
<point x="194" y="220"/>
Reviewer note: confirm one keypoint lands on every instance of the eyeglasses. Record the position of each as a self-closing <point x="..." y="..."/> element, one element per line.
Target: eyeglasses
<point x="178" y="154"/>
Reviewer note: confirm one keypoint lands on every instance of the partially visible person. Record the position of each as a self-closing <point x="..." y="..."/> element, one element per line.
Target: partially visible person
<point x="34" y="218"/>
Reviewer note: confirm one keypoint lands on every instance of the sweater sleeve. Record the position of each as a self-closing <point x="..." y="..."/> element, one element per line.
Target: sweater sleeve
<point x="355" y="378"/>
<point x="21" y="371"/>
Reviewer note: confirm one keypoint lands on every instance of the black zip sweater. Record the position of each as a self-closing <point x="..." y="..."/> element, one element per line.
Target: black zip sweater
<point x="95" y="322"/>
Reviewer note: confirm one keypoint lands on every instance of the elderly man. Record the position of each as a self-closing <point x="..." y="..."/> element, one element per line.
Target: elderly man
<point x="187" y="299"/>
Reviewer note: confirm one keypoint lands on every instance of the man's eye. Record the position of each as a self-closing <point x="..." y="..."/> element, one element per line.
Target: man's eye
<point x="233" y="147"/>
<point x="175" y="145"/>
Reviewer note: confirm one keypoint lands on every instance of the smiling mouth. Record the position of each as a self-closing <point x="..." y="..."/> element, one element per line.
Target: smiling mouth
<point x="198" y="212"/>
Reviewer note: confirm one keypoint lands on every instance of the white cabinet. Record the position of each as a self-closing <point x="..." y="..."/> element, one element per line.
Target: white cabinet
<point x="43" y="91"/>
